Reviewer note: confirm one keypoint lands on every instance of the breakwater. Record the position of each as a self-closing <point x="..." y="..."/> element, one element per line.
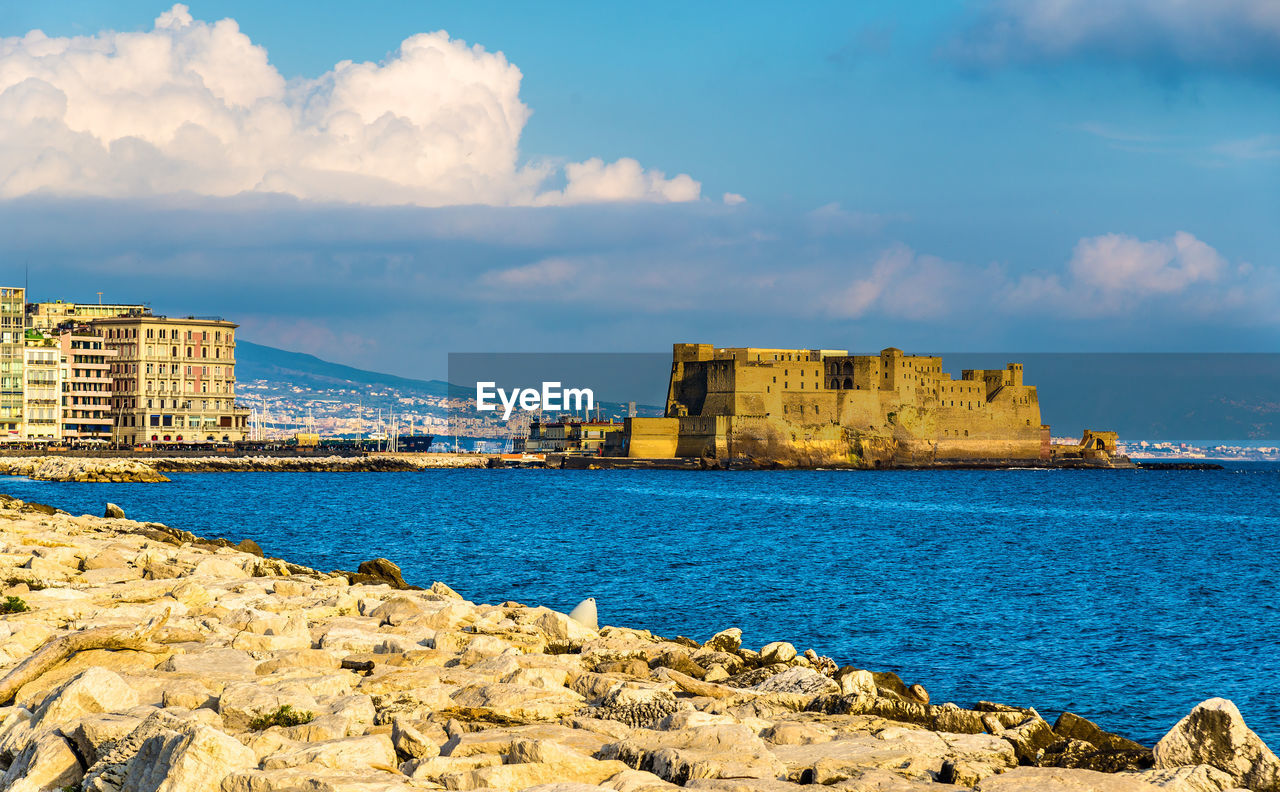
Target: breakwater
<point x="139" y="657"/>
<point x="153" y="468"/>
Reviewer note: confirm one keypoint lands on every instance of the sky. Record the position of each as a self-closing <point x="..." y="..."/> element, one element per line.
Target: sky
<point x="382" y="184"/>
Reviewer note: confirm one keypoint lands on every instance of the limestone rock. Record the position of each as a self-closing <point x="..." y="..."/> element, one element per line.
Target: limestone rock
<point x="1200" y="778"/>
<point x="92" y="691"/>
<point x="1087" y="756"/>
<point x="196" y="761"/>
<point x="855" y="682"/>
<point x="1072" y="726"/>
<point x="1215" y="734"/>
<point x="777" y="652"/>
<point x="800" y="681"/>
<point x="559" y="627"/>
<point x="241" y="702"/>
<point x="47" y="762"/>
<point x="93" y="732"/>
<point x="679" y="661"/>
<point x="732" y="751"/>
<point x="113" y="511"/>
<point x="224" y="663"/>
<point x="519" y="702"/>
<point x="729" y="640"/>
<point x="1053" y="779"/>
<point x="348" y="753"/>
<point x="1030" y="738"/>
<point x="383" y="570"/>
<point x="411" y="743"/>
<point x="398" y="610"/>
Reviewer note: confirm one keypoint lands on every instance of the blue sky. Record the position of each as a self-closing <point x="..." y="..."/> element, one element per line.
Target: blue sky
<point x="962" y="176"/>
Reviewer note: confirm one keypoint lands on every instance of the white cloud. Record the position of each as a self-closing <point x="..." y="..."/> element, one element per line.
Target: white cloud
<point x="624" y="180"/>
<point x="733" y="199"/>
<point x="1109" y="275"/>
<point x="1116" y="264"/>
<point x="905" y="284"/>
<point x="555" y="271"/>
<point x="1161" y="35"/>
<point x="197" y="107"/>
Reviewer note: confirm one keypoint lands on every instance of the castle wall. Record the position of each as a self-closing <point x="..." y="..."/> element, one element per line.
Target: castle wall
<point x="652" y="438"/>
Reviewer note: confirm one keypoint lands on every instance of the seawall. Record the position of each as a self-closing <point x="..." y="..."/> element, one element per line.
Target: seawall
<point x="139" y="657"/>
<point x="153" y="468"/>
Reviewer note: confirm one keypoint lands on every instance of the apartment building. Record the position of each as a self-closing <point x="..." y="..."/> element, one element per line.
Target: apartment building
<point x="12" y="350"/>
<point x="41" y="388"/>
<point x="53" y="315"/>
<point x="86" y="377"/>
<point x="173" y="380"/>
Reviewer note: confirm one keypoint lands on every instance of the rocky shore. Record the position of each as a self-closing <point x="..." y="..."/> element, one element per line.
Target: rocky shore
<point x="152" y="469"/>
<point x="142" y="658"/>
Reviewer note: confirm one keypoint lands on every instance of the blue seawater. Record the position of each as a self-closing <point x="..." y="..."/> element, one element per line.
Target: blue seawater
<point x="1124" y="596"/>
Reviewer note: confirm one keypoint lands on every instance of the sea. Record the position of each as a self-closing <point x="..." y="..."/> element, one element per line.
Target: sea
<point x="1125" y="596"/>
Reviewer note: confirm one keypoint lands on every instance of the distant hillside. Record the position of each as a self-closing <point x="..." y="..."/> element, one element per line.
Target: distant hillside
<point x="259" y="362"/>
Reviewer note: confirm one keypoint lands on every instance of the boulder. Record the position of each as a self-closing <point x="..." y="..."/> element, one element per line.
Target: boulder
<point x="93" y="732"/>
<point x="383" y="570"/>
<point x="1215" y="734"/>
<point x="1200" y="778"/>
<point x="107" y="559"/>
<point x="220" y="663"/>
<point x="678" y="660"/>
<point x="1030" y="738"/>
<point x="561" y="628"/>
<point x="777" y="652"/>
<point x="89" y="692"/>
<point x="398" y="610"/>
<point x="855" y="682"/>
<point x="48" y="762"/>
<point x="729" y="640"/>
<point x="411" y="743"/>
<point x="195" y="761"/>
<point x="241" y="702"/>
<point x="519" y="702"/>
<point x="1087" y="756"/>
<point x="1073" y="727"/>
<point x="722" y="751"/>
<point x="800" y="681"/>
<point x="113" y="512"/>
<point x="1056" y="779"/>
<point x="348" y="753"/>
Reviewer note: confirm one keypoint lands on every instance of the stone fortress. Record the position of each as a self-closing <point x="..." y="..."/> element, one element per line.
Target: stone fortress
<point x="811" y="407"/>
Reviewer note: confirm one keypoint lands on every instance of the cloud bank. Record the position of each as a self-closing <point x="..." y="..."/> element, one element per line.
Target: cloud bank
<point x="1164" y="36"/>
<point x="197" y="107"/>
<point x="362" y="285"/>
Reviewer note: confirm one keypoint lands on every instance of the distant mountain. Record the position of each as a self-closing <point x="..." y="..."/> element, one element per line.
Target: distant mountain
<point x="259" y="362"/>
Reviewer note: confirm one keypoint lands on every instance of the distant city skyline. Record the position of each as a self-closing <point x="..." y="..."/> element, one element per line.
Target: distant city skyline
<point x="356" y="183"/>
